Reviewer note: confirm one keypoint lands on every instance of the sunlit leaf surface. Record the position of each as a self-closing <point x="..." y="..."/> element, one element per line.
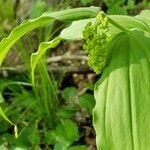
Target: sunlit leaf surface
<point x="122" y="114"/>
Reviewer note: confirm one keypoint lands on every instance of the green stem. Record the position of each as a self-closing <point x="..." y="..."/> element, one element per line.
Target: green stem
<point x="117" y="25"/>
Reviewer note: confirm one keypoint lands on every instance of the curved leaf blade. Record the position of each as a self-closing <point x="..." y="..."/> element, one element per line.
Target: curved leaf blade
<point x="5" y="117"/>
<point x="43" y="47"/>
<point x="18" y="32"/>
<point x="74" y="14"/>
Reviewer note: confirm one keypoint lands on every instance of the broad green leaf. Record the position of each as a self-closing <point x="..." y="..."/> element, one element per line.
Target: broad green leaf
<point x="128" y="22"/>
<point x="35" y="57"/>
<point x="144" y="16"/>
<point x="46" y="18"/>
<point x="145" y="13"/>
<point x="121" y="113"/>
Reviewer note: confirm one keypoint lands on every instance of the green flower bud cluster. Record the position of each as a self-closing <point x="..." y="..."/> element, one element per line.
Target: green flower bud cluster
<point x="96" y="40"/>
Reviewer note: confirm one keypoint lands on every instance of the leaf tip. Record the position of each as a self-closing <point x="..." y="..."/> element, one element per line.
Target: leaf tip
<point x="16" y="131"/>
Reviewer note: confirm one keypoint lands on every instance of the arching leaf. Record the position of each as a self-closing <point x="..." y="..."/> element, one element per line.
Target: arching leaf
<point x="43" y="47"/>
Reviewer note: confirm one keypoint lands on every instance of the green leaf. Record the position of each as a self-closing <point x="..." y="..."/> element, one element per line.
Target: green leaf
<point x="74" y="14"/>
<point x="71" y="33"/>
<point x="89" y="86"/>
<point x="1" y="98"/>
<point x="116" y="9"/>
<point x="69" y="94"/>
<point x="121" y="114"/>
<point x="20" y="148"/>
<point x="4" y="116"/>
<point x="27" y="137"/>
<point x="79" y="147"/>
<point x="66" y="112"/>
<point x="131" y="4"/>
<point x="46" y="18"/>
<point x="3" y="147"/>
<point x="18" y="32"/>
<point x="128" y="22"/>
<point x="48" y="138"/>
<point x="71" y="130"/>
<point x="35" y="57"/>
<point x="37" y="9"/>
<point x="85" y="2"/>
<point x="144" y="16"/>
<point x="87" y="101"/>
<point x="66" y="133"/>
<point x="59" y="146"/>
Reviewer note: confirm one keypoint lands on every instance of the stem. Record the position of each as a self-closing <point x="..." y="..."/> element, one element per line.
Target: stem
<point x="117" y="25"/>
